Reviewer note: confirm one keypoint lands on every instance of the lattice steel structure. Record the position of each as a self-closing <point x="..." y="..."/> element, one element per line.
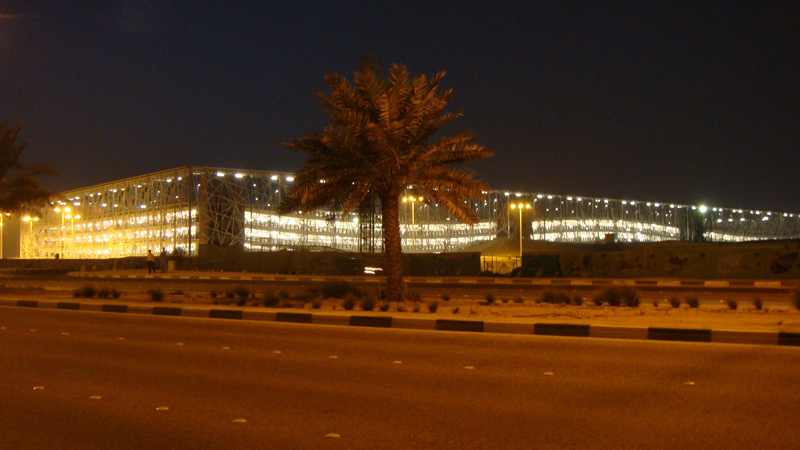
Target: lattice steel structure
<point x="186" y="208"/>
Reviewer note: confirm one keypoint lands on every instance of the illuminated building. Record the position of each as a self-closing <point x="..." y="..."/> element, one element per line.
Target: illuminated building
<point x="188" y="208"/>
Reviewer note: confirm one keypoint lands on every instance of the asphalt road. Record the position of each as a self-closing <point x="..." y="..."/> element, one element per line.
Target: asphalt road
<point x="78" y="380"/>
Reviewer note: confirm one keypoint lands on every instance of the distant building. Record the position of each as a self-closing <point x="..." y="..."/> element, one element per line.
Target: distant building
<point x="189" y="208"/>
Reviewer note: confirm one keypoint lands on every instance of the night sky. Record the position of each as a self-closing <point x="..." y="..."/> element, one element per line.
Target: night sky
<point x="685" y="102"/>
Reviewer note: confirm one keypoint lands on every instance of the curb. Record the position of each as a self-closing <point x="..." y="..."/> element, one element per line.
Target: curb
<point x="497" y="281"/>
<point x="780" y="338"/>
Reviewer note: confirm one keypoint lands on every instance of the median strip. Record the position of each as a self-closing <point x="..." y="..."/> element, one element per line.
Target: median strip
<point x="541" y="329"/>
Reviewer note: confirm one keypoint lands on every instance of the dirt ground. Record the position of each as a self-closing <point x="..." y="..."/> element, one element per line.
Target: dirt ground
<point x="713" y="312"/>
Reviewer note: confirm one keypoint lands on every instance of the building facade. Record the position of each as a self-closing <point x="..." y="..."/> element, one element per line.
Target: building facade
<point x="187" y="208"/>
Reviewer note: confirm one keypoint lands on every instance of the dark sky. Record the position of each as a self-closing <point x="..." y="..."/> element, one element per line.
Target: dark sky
<point x="686" y="102"/>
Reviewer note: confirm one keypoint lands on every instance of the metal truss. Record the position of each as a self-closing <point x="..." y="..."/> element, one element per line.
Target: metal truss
<point x="185" y="208"/>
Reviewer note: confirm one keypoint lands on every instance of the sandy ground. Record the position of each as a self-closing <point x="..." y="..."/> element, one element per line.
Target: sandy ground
<point x="713" y="312"/>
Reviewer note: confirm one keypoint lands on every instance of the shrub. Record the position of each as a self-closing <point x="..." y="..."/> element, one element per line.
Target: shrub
<point x="577" y="300"/>
<point x="675" y="302"/>
<point x="77" y="293"/>
<point x="598" y="300"/>
<point x="349" y="302"/>
<point x="241" y="292"/>
<point x="115" y="293"/>
<point x="339" y="289"/>
<point x="655" y="303"/>
<point x="104" y="293"/>
<point x="796" y="300"/>
<point x="401" y="308"/>
<point x="316" y="304"/>
<point x="178" y="292"/>
<point x="505" y="300"/>
<point x="88" y="291"/>
<point x="758" y="304"/>
<point x="692" y="301"/>
<point x="414" y="296"/>
<point x="283" y="294"/>
<point x="368" y="304"/>
<point x="229" y="294"/>
<point x="270" y="300"/>
<point x="489" y="298"/>
<point x="384" y="307"/>
<point x="241" y="301"/>
<point x="433" y="306"/>
<point x="416" y="309"/>
<point x="455" y="310"/>
<point x="733" y="304"/>
<point x="518" y="300"/>
<point x="155" y="295"/>
<point x="213" y="294"/>
<point x="445" y="297"/>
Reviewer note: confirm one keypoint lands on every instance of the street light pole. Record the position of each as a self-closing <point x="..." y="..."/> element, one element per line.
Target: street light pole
<point x="520" y="207"/>
<point x="412" y="199"/>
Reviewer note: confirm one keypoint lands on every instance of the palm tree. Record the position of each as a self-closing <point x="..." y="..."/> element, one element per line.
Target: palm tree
<point x="380" y="142"/>
<point x="19" y="184"/>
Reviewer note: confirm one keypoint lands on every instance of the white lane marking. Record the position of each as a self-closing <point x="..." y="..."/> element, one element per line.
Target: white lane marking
<point x="549" y="373"/>
<point x="162" y="408"/>
<point x="398" y="362"/>
<point x="120" y="338"/>
<point x="179" y="343"/>
<point x="33" y="331"/>
<point x="226" y="348"/>
<point x="468" y="367"/>
<point x="333" y="357"/>
<point x="239" y="421"/>
<point x="689" y="383"/>
<point x="95" y="397"/>
<point x="65" y="334"/>
<point x="332" y="435"/>
<point x="38" y="388"/>
<point x="277" y="352"/>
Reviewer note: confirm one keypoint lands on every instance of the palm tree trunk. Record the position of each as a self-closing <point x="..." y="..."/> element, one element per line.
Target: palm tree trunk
<point x="391" y="243"/>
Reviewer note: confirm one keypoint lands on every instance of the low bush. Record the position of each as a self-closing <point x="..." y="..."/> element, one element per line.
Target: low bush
<point x="270" y="300"/>
<point x="349" y="302"/>
<point x="241" y="292"/>
<point x="598" y="300"/>
<point x="339" y="289"/>
<point x="675" y="302"/>
<point x="316" y="304"/>
<point x="77" y="293"/>
<point x="88" y="291"/>
<point x="455" y="310"/>
<point x="416" y="309"/>
<point x="733" y="304"/>
<point x="758" y="304"/>
<point x="368" y="304"/>
<point x="155" y="295"/>
<point x="213" y="294"/>
<point x="796" y="300"/>
<point x="518" y="300"/>
<point x="655" y="303"/>
<point x="241" y="301"/>
<point x="489" y="298"/>
<point x="384" y="306"/>
<point x="283" y="294"/>
<point x="692" y="301"/>
<point x="555" y="297"/>
<point x="401" y="308"/>
<point x="445" y="297"/>
<point x="104" y="293"/>
<point x="115" y="293"/>
<point x="505" y="300"/>
<point x="229" y="294"/>
<point x="433" y="306"/>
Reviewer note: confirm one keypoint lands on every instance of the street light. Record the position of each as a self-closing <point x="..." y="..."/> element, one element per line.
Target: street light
<point x="520" y="207"/>
<point x="31" y="243"/>
<point x="1" y="234"/>
<point x="412" y="199"/>
<point x="63" y="212"/>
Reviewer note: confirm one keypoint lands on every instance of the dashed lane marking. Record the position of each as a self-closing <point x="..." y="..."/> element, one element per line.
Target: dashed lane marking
<point x="333" y="435"/>
<point x="162" y="408"/>
<point x="398" y="362"/>
<point x="239" y="421"/>
<point x="38" y="388"/>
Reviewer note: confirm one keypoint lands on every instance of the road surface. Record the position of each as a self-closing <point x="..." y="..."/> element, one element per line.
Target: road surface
<point x="78" y="380"/>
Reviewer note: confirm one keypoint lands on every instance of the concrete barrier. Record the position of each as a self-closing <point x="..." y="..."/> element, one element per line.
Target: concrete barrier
<point x="744" y="337"/>
<point x="330" y="319"/>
